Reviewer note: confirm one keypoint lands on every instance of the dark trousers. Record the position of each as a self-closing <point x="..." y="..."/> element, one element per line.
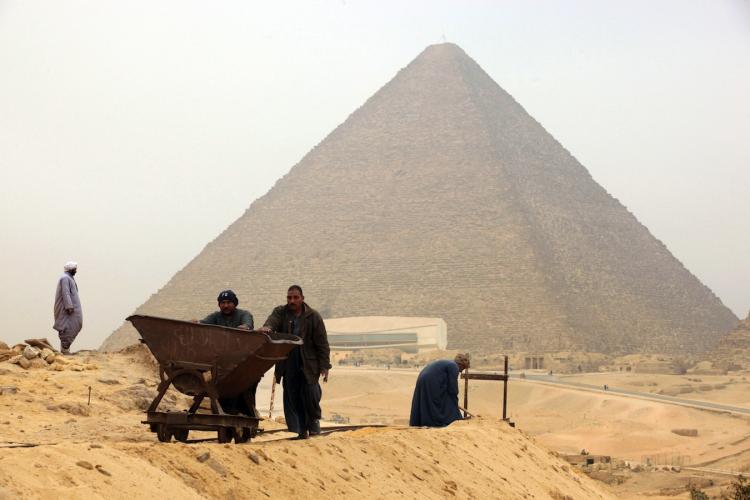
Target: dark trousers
<point x="301" y="403"/>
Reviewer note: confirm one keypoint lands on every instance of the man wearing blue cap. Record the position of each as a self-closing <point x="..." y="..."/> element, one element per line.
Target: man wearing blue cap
<point x="228" y="313"/>
<point x="230" y="316"/>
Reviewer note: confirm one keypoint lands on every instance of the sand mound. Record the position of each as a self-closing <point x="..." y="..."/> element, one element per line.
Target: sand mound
<point x="101" y="450"/>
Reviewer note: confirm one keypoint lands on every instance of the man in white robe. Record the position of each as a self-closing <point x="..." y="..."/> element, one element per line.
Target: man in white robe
<point x="68" y="312"/>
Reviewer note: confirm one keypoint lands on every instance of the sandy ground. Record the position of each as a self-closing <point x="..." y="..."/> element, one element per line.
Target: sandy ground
<point x="568" y="421"/>
<point x="101" y="450"/>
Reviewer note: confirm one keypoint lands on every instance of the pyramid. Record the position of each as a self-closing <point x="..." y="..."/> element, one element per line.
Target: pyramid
<point x="441" y="197"/>
<point x="733" y="350"/>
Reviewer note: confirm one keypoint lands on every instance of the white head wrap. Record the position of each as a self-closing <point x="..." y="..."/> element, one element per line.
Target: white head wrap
<point x="70" y="265"/>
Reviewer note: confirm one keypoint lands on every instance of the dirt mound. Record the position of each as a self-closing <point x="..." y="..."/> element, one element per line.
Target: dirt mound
<point x="89" y="442"/>
<point x="140" y="354"/>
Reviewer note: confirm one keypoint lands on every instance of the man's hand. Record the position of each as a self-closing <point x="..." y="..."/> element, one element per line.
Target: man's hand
<point x="324" y="374"/>
<point x="243" y="327"/>
<point x="264" y="329"/>
<point x="69" y="310"/>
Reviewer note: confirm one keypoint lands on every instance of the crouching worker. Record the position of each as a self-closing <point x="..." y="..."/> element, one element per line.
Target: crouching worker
<point x="435" y="401"/>
<point x="231" y="316"/>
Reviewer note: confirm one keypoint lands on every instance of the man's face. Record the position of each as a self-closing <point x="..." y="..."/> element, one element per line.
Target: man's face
<point x="227" y="307"/>
<point x="294" y="300"/>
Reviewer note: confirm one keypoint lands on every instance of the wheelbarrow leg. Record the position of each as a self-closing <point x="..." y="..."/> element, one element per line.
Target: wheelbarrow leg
<point x="197" y="400"/>
<point x="162" y="389"/>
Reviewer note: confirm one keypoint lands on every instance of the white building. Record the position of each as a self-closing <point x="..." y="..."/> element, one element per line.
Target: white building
<point x="387" y="332"/>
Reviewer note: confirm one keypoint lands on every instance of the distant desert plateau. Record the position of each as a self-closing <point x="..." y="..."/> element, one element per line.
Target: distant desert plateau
<point x="58" y="445"/>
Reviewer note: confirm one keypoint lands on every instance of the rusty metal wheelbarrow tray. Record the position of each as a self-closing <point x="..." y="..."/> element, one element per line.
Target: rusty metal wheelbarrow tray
<point x="241" y="357"/>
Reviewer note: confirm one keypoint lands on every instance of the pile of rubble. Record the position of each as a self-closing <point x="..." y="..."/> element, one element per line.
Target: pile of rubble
<point x="38" y="353"/>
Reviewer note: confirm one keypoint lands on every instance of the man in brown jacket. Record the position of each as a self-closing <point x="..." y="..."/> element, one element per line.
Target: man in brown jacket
<point x="301" y="371"/>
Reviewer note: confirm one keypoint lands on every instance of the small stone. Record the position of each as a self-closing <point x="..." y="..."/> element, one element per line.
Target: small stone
<point x="24" y="363"/>
<point x="50" y="359"/>
<point x="8" y="389"/>
<point x="108" y="381"/>
<point x="202" y="457"/>
<point x="15" y="359"/>
<point x="94" y="445"/>
<point x="99" y="468"/>
<point x="58" y="367"/>
<point x="30" y="352"/>
<point x="61" y="360"/>
<point x="77" y="368"/>
<point x="265" y="455"/>
<point x="19" y="348"/>
<point x="254" y="457"/>
<point x="216" y="466"/>
<point x="84" y="464"/>
<point x="4" y="346"/>
<point x="46" y="352"/>
<point x="38" y="363"/>
<point x="91" y="366"/>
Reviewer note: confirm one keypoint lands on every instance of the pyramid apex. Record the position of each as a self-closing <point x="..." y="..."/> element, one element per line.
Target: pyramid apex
<point x="445" y="48"/>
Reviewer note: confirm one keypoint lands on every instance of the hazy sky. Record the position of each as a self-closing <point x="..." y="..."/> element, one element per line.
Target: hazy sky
<point x="132" y="133"/>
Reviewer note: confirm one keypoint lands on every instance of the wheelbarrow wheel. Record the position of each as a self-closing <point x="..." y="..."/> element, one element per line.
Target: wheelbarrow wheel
<point x="225" y="434"/>
<point x="181" y="435"/>
<point x="243" y="436"/>
<point x="164" y="433"/>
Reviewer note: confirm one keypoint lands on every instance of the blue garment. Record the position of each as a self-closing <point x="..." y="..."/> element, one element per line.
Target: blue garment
<point x="435" y="401"/>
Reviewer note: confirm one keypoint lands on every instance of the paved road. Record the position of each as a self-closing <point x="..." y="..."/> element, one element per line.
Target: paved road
<point x="704" y="405"/>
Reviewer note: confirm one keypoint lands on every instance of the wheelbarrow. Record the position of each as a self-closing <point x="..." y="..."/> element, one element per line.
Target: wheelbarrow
<point x="208" y="361"/>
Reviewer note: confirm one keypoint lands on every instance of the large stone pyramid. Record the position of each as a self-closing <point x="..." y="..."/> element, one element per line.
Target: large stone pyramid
<point x="442" y="197"/>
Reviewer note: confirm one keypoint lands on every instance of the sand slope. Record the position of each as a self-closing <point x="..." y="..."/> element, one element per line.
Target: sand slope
<point x="102" y="451"/>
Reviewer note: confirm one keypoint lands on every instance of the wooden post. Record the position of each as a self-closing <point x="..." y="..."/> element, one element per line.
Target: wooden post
<point x="505" y="389"/>
<point x="466" y="392"/>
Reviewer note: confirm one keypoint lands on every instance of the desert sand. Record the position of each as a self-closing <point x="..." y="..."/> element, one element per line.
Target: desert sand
<point x="57" y="445"/>
<point x="102" y="450"/>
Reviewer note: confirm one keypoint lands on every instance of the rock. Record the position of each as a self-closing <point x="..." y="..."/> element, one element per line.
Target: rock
<point x="108" y="381"/>
<point x="8" y="389"/>
<point x="50" y="359"/>
<point x="58" y="367"/>
<point x="135" y="397"/>
<point x="24" y="362"/>
<point x="94" y="445"/>
<point x="38" y="363"/>
<point x="4" y="346"/>
<point x="19" y="348"/>
<point x="686" y="432"/>
<point x="6" y="354"/>
<point x="77" y="368"/>
<point x="202" y="457"/>
<point x="84" y="464"/>
<point x="30" y="352"/>
<point x="40" y="344"/>
<point x="62" y="360"/>
<point x="216" y="466"/>
<point x="99" y="468"/>
<point x="72" y="408"/>
<point x="254" y="457"/>
<point x="91" y="366"/>
<point x="15" y="359"/>
<point x="46" y="352"/>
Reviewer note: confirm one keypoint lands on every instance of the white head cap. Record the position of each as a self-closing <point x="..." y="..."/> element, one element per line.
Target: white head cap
<point x="70" y="265"/>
